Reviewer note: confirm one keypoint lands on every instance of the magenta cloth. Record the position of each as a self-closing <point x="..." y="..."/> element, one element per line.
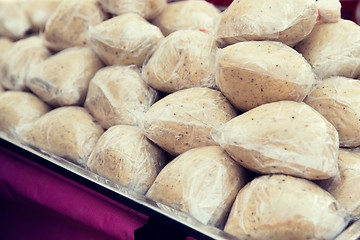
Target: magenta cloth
<point x="37" y="203"/>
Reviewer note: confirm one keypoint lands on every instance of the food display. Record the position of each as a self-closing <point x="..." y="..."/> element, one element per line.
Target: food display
<point x="202" y="182"/>
<point x="124" y="155"/>
<point x="194" y="15"/>
<point x="185" y="59"/>
<point x="13" y="20"/>
<point x="19" y="60"/>
<point x="262" y="210"/>
<point x="287" y="21"/>
<point x="337" y="99"/>
<point x="124" y="40"/>
<point x="237" y="123"/>
<point x="39" y="11"/>
<point x="178" y="123"/>
<point x="345" y="186"/>
<point x="63" y="78"/>
<point x="282" y="137"/>
<point x="145" y="8"/>
<point x="69" y="132"/>
<point x="331" y="50"/>
<point x="18" y="110"/>
<point x="117" y="95"/>
<point x="268" y="72"/>
<point x="68" y="25"/>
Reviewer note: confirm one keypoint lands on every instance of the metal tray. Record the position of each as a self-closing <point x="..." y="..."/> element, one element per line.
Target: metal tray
<point x="138" y="202"/>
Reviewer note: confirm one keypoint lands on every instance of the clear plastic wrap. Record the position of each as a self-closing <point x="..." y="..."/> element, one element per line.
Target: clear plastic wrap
<point x="125" y="156"/>
<point x="118" y="95"/>
<point x="333" y="49"/>
<point x="1" y="88"/>
<point x="184" y="59"/>
<point x="13" y="21"/>
<point x="18" y="110"/>
<point x="184" y="120"/>
<point x="337" y="99"/>
<point x="282" y="137"/>
<point x="195" y="15"/>
<point x="63" y="78"/>
<point x="68" y="132"/>
<point x="5" y="44"/>
<point x="39" y="11"/>
<point x="124" y="40"/>
<point x="287" y="21"/>
<point x="148" y="9"/>
<point x="24" y="55"/>
<point x="345" y="187"/>
<point x="329" y="10"/>
<point x="280" y="207"/>
<point x="202" y="182"/>
<point x="253" y="73"/>
<point x="68" y="25"/>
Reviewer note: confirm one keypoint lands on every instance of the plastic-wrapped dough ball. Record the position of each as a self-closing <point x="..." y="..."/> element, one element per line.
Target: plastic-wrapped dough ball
<point x="124" y="40"/>
<point x="2" y="88"/>
<point x="195" y="15"/>
<point x="39" y="11"/>
<point x="146" y="8"/>
<point x="63" y="78"/>
<point x="24" y="55"/>
<point x="18" y="111"/>
<point x="184" y="59"/>
<point x="13" y="21"/>
<point x="202" y="182"/>
<point x="118" y="95"/>
<point x="5" y="44"/>
<point x="68" y="132"/>
<point x="346" y="187"/>
<point x="253" y="73"/>
<point x="283" y="207"/>
<point x="68" y="25"/>
<point x="329" y="10"/>
<point x="287" y="21"/>
<point x="125" y="156"/>
<point x="337" y="99"/>
<point x="333" y="49"/>
<point x="183" y="120"/>
<point x="282" y="137"/>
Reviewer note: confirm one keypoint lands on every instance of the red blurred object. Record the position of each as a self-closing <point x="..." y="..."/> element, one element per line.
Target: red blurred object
<point x="350" y="8"/>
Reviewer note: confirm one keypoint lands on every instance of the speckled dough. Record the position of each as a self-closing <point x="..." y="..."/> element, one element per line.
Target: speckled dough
<point x="5" y="44"/>
<point x="13" y="20"/>
<point x="18" y="110"/>
<point x="195" y="15"/>
<point x="39" y="11"/>
<point x="184" y="59"/>
<point x="125" y="156"/>
<point x="202" y="182"/>
<point x="183" y="120"/>
<point x="118" y="95"/>
<point x="68" y="132"/>
<point x="63" y="79"/>
<point x="282" y="137"/>
<point x="337" y="99"/>
<point x="124" y="40"/>
<point x="68" y="25"/>
<point x="287" y="21"/>
<point x="24" y="55"/>
<point x="346" y="187"/>
<point x="333" y="49"/>
<point x="145" y="8"/>
<point x="280" y="207"/>
<point x="253" y="73"/>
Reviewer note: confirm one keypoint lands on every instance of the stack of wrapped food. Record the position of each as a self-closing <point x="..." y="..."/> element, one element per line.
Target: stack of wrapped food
<point x="247" y="120"/>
